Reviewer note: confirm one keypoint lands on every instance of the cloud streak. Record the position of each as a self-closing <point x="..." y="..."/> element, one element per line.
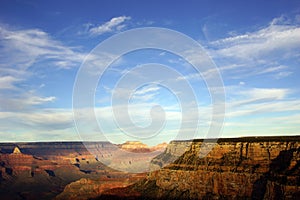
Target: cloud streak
<point x="23" y="48"/>
<point x="114" y="25"/>
<point x="266" y="51"/>
<point x="274" y="38"/>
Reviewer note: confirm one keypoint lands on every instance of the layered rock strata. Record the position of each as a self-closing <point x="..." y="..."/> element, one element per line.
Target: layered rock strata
<point x="240" y="168"/>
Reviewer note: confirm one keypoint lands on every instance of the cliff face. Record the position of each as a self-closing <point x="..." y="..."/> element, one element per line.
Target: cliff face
<point x="248" y="168"/>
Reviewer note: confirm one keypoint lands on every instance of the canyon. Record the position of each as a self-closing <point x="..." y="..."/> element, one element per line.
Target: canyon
<point x="235" y="168"/>
<point x="43" y="170"/>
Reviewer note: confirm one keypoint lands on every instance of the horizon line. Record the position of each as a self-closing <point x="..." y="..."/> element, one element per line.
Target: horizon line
<point x="187" y="140"/>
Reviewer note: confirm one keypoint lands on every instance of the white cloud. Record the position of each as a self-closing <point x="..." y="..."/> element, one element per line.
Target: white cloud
<point x="265" y="93"/>
<point x="281" y="75"/>
<point x="23" y="101"/>
<point x="272" y="69"/>
<point x="275" y="37"/>
<point x="55" y="118"/>
<point x="145" y="90"/>
<point x="115" y="24"/>
<point x="266" y="51"/>
<point x="23" y="48"/>
<point x="249" y="101"/>
<point x="7" y="82"/>
<point x="36" y="100"/>
<point x="145" y="93"/>
<point x="38" y="125"/>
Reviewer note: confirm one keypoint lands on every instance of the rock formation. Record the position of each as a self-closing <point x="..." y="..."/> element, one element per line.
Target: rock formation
<point x="86" y="188"/>
<point x="135" y="146"/>
<point x="16" y="150"/>
<point x="42" y="170"/>
<point x="239" y="168"/>
<point x="139" y="147"/>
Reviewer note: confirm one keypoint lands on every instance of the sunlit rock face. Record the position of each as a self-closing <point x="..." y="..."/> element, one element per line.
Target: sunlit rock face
<point x="249" y="168"/>
<point x="16" y="150"/>
<point x="135" y="146"/>
<point x="239" y="168"/>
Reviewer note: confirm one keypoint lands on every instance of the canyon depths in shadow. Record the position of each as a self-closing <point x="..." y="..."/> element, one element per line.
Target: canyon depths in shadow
<point x="236" y="168"/>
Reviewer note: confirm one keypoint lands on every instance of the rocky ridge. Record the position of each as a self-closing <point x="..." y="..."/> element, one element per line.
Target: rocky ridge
<point x="238" y="168"/>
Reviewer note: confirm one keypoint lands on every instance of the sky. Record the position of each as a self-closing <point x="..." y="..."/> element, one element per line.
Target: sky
<point x="255" y="46"/>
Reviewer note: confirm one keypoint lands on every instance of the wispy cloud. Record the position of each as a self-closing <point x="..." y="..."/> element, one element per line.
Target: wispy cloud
<point x="272" y="69"/>
<point x="264" y="51"/>
<point x="246" y="101"/>
<point x="20" y="51"/>
<point x="23" y="48"/>
<point x="41" y="125"/>
<point x="270" y="39"/>
<point x="7" y="82"/>
<point x="21" y="101"/>
<point x="244" y="96"/>
<point x="114" y="25"/>
<point x="146" y="93"/>
<point x="280" y="34"/>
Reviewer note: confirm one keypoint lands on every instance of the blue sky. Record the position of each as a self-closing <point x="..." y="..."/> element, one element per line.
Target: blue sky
<point x="254" y="44"/>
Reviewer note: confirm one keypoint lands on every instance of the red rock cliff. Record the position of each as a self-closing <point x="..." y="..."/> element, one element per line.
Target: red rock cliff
<point x="240" y="168"/>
